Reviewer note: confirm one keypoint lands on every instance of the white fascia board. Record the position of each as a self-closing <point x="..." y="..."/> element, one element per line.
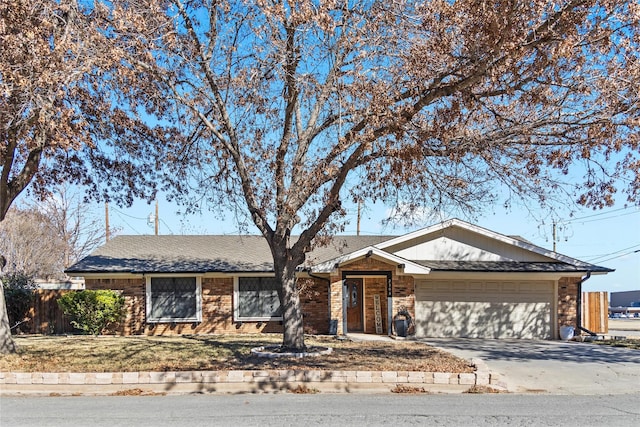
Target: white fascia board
<point x="410" y="267"/>
<point x="108" y="275"/>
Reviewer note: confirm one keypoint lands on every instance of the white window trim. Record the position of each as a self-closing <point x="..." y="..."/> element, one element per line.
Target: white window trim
<point x="198" y="317"/>
<point x="236" y="298"/>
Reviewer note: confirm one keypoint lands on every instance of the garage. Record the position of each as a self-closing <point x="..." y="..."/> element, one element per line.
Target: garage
<point x="484" y="309"/>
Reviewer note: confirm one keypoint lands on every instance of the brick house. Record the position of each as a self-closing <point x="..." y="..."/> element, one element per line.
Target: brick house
<point x="453" y="279"/>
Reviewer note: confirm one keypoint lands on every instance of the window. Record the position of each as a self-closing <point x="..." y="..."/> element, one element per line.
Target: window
<point x="173" y="299"/>
<point x="256" y="298"/>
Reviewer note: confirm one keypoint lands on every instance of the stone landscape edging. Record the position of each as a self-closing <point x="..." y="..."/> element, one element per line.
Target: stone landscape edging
<point x="251" y="380"/>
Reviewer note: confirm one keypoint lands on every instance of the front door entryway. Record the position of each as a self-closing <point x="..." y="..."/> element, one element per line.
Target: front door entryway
<point x="354" y="304"/>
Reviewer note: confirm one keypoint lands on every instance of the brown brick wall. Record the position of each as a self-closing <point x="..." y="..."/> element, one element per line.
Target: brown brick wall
<point x="404" y="297"/>
<point x="321" y="302"/>
<point x="375" y="286"/>
<point x="217" y="309"/>
<point x="369" y="264"/>
<point x="314" y="297"/>
<point x="133" y="291"/>
<point x="403" y="291"/>
<point x="567" y="302"/>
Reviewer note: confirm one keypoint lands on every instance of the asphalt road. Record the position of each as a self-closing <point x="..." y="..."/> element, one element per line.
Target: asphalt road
<point x="342" y="410"/>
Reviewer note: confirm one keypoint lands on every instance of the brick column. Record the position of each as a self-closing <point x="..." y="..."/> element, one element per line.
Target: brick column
<point x="335" y="303"/>
<point x="567" y="303"/>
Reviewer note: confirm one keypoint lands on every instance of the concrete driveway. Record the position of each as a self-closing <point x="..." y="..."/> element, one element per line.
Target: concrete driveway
<point x="555" y="367"/>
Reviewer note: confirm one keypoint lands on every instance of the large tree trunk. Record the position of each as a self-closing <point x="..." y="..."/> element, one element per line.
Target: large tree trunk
<point x="293" y="334"/>
<point x="285" y="270"/>
<point x="7" y="345"/>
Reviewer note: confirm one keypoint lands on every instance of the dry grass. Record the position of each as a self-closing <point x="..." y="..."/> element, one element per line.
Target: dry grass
<point x="482" y="389"/>
<point x="303" y="389"/>
<point x="216" y="352"/>
<point x="628" y="343"/>
<point x="137" y="392"/>
<point x="406" y="389"/>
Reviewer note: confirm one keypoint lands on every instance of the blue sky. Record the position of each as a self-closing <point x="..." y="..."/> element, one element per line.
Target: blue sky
<point x="606" y="237"/>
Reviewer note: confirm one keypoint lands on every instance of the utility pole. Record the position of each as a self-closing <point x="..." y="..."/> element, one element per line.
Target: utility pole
<point x="106" y="220"/>
<point x="156" y="219"/>
<point x="358" y="221"/>
<point x="554" y="236"/>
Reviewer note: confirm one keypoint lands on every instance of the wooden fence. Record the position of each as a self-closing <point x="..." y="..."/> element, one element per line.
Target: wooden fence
<point x="595" y="312"/>
<point x="46" y="317"/>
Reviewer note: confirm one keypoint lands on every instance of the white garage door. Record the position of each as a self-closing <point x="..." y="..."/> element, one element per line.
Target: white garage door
<point x="484" y="309"/>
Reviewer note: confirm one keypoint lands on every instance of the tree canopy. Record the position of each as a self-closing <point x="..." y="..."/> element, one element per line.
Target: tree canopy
<point x="63" y="115"/>
<point x="288" y="108"/>
<point x="60" y="119"/>
<point x="285" y="109"/>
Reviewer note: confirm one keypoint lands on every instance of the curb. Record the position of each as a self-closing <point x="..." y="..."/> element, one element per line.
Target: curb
<point x="242" y="381"/>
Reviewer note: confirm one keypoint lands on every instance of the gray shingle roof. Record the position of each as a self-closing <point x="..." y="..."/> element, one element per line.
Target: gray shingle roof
<point x="236" y="254"/>
<point x="511" y="266"/>
<point x="199" y="254"/>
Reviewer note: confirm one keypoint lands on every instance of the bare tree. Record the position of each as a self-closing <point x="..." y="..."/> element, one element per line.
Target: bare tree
<point x="41" y="239"/>
<point x="74" y="222"/>
<point x="59" y="119"/>
<point x="288" y="108"/>
<point x="31" y="244"/>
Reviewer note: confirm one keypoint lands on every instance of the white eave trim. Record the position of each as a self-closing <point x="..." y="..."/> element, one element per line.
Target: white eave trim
<point x="409" y="267"/>
<point x="107" y="275"/>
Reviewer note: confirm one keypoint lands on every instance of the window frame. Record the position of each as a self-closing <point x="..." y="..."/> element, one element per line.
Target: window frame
<point x="236" y="302"/>
<point x="148" y="298"/>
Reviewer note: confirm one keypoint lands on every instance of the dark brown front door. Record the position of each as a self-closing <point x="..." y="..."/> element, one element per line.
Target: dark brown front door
<point x="354" y="305"/>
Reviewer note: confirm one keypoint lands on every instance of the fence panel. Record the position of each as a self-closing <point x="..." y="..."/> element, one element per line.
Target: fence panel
<point x="48" y="318"/>
<point x="595" y="311"/>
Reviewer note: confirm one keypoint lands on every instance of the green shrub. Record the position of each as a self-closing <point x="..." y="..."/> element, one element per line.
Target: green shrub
<point x="93" y="312"/>
<point x="19" y="296"/>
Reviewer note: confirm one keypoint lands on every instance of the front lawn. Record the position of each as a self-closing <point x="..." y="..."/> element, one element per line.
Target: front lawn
<point x="216" y="352"/>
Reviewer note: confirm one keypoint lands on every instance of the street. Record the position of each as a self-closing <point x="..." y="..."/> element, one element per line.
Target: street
<point x="322" y="409"/>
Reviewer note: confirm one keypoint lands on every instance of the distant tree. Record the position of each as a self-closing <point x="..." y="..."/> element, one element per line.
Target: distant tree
<point x="288" y="109"/>
<point x="42" y="239"/>
<point x="31" y="245"/>
<point x="75" y="223"/>
<point x="60" y="119"/>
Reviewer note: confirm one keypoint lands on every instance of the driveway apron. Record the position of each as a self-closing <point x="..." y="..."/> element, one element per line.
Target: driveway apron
<point x="556" y="367"/>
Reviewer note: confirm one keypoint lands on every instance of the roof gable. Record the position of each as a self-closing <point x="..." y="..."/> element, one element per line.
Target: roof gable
<point x="456" y="240"/>
<point x="408" y="267"/>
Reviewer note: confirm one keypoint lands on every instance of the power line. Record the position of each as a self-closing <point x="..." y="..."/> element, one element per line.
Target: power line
<point x="600" y="214"/>
<point x="127" y="215"/>
<point x="596" y="218"/>
<point x="613" y="253"/>
<point x="120" y="214"/>
<point x="621" y="255"/>
<point x="125" y="221"/>
<point x="167" y="225"/>
<point x="610" y="217"/>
